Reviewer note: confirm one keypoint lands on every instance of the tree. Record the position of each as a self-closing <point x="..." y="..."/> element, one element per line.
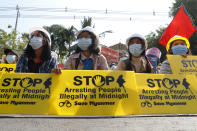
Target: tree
<point x="190" y="6"/>
<point x="87" y="22"/>
<point x="12" y="40"/>
<point x="61" y="39"/>
<point x="70" y="37"/>
<point x="154" y="37"/>
<point x="58" y="38"/>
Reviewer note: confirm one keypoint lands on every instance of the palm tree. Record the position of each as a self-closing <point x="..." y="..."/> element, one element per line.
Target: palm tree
<point x="57" y="33"/>
<point x="87" y="22"/>
<point x="70" y="37"/>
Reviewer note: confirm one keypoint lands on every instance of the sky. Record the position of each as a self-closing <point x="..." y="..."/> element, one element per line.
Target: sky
<point x="123" y="17"/>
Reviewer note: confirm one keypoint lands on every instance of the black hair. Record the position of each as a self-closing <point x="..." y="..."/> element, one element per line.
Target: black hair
<point x="6" y="62"/>
<point x="93" y="48"/>
<point x="148" y="65"/>
<point x="143" y="47"/>
<point x="6" y="51"/>
<point x="46" y="52"/>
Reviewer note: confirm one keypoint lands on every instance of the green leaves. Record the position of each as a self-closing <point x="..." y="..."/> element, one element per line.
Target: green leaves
<point x="12" y="40"/>
<point x="87" y="22"/>
<point x="190" y="6"/>
<point x="61" y="39"/>
<point x="154" y="37"/>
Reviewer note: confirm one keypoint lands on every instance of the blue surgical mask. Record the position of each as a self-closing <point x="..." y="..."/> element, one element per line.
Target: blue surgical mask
<point x="84" y="43"/>
<point x="36" y="42"/>
<point x="10" y="58"/>
<point x="136" y="49"/>
<point x="179" y="50"/>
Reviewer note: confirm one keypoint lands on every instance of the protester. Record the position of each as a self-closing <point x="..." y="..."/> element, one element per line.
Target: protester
<point x="137" y="60"/>
<point x="154" y="55"/>
<point x="177" y="45"/>
<point x="37" y="54"/>
<point x="11" y="56"/>
<point x="113" y="66"/>
<point x="87" y="54"/>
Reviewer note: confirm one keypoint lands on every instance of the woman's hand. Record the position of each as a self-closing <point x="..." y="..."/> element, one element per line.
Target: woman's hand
<point x="56" y="71"/>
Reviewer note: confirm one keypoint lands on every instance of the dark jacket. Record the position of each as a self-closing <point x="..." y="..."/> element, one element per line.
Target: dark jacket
<point x="45" y="67"/>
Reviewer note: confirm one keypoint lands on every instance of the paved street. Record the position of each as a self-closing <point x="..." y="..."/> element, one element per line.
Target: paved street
<point x="130" y="123"/>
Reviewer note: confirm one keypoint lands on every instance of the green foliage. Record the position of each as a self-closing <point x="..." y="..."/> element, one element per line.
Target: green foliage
<point x="70" y="37"/>
<point x="87" y="22"/>
<point x="61" y="40"/>
<point x="154" y="37"/>
<point x="190" y="6"/>
<point x="193" y="42"/>
<point x="12" y="40"/>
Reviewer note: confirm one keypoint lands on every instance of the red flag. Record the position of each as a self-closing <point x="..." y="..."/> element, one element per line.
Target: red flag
<point x="181" y="25"/>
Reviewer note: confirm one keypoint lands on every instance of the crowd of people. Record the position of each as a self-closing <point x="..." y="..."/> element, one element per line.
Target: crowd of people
<point x="37" y="56"/>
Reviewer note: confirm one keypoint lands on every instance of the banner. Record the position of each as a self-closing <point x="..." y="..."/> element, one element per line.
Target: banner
<point x="166" y="94"/>
<point x="110" y="54"/>
<point x="25" y="93"/>
<point x="94" y="93"/>
<point x="7" y="68"/>
<point x="97" y="93"/>
<point x="181" y="65"/>
<point x="72" y="93"/>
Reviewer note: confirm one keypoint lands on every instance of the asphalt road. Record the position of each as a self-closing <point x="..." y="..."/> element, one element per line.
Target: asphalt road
<point x="129" y="123"/>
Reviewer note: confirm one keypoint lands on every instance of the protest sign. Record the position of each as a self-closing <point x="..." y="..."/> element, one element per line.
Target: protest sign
<point x="166" y="94"/>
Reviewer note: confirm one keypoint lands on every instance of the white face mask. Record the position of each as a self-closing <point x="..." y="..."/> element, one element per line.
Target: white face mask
<point x="136" y="49"/>
<point x="84" y="43"/>
<point x="36" y="42"/>
<point x="10" y="58"/>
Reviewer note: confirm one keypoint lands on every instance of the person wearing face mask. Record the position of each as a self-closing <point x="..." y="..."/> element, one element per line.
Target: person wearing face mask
<point x="177" y="45"/>
<point x="37" y="54"/>
<point x="87" y="54"/>
<point x="137" y="60"/>
<point x="11" y="56"/>
<point x="154" y="55"/>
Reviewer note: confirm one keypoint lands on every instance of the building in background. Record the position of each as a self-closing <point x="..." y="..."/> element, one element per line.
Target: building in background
<point x="122" y="49"/>
<point x="114" y="53"/>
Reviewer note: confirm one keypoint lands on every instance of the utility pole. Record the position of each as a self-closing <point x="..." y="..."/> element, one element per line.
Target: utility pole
<point x="18" y="14"/>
